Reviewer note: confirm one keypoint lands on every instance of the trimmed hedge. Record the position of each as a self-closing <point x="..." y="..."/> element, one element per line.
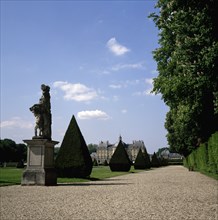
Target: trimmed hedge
<point x="120" y="160"/>
<point x="73" y="158"/>
<point x="213" y="153"/>
<point x="140" y="162"/>
<point x="205" y="157"/>
<point x="154" y="161"/>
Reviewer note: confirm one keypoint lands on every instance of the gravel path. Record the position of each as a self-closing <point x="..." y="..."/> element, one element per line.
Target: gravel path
<point x="169" y="193"/>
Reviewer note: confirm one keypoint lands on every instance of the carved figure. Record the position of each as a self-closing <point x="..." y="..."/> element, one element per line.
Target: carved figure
<point x="42" y="113"/>
<point x="37" y="111"/>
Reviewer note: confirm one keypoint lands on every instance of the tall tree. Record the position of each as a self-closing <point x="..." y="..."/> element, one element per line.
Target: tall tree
<point x="187" y="65"/>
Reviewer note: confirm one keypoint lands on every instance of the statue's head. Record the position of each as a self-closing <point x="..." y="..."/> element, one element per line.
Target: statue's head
<point x="36" y="109"/>
<point x="45" y="88"/>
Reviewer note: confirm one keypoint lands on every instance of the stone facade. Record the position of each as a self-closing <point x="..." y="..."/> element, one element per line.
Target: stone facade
<point x="105" y="150"/>
<point x="170" y="156"/>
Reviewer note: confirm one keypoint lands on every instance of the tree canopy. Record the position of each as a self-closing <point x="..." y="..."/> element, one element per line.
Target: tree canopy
<point x="187" y="65"/>
<point x="12" y="152"/>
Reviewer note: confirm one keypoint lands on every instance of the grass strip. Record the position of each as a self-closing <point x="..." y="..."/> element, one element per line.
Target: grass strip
<point x="12" y="176"/>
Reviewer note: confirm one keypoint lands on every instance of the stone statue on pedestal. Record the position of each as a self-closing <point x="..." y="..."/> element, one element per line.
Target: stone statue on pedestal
<point x="42" y="113"/>
<point x="40" y="149"/>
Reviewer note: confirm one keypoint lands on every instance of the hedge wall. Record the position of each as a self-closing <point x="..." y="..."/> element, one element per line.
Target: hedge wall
<point x="205" y="157"/>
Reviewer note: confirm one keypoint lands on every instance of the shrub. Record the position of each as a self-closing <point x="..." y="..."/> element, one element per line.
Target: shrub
<point x="73" y="158"/>
<point x="120" y="160"/>
<point x="204" y="158"/>
<point x="163" y="161"/>
<point x="105" y="163"/>
<point x="140" y="161"/>
<point x="147" y="159"/>
<point x="213" y="153"/>
<point x="95" y="163"/>
<point x="201" y="157"/>
<point x="154" y="161"/>
<point x="20" y="164"/>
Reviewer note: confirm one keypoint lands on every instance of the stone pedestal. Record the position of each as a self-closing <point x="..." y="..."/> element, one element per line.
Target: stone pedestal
<point x="40" y="163"/>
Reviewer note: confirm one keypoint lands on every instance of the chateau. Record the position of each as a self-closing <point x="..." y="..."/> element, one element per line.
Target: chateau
<point x="105" y="150"/>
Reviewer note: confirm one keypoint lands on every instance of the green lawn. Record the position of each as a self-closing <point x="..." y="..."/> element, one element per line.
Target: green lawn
<point x="12" y="176"/>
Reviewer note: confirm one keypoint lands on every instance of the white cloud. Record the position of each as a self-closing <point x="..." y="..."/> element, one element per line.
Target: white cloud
<point x="121" y="66"/>
<point x="148" y="92"/>
<point x="113" y="86"/>
<point x="124" y="111"/>
<point x="77" y="92"/>
<point x="155" y="72"/>
<point x="116" y="98"/>
<point x="116" y="48"/>
<point x="137" y="94"/>
<point x="16" y="122"/>
<point x="149" y="81"/>
<point x="128" y="66"/>
<point x="96" y="114"/>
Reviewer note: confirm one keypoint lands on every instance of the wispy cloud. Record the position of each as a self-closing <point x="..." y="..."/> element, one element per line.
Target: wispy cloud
<point x="117" y="86"/>
<point x="96" y="114"/>
<point x="16" y="122"/>
<point x="124" y="84"/>
<point x="115" y="98"/>
<point x="149" y="81"/>
<point x="155" y="72"/>
<point x="128" y="66"/>
<point x="148" y="91"/>
<point x="116" y="48"/>
<point x="121" y="66"/>
<point x="124" y="111"/>
<point x="77" y="92"/>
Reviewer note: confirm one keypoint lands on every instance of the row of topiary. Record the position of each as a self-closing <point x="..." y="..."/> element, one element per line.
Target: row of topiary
<point x="120" y="160"/>
<point x="74" y="160"/>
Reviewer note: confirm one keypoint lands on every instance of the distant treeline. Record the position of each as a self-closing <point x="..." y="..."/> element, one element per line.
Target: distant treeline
<point x="12" y="152"/>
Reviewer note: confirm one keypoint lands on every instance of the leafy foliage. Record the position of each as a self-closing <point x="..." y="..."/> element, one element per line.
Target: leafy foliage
<point x="204" y="158"/>
<point x="187" y="65"/>
<point x="10" y="151"/>
<point x="73" y="159"/>
<point x="92" y="148"/>
<point x="120" y="160"/>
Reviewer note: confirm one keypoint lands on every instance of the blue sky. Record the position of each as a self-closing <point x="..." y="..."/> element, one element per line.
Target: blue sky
<point x="96" y="56"/>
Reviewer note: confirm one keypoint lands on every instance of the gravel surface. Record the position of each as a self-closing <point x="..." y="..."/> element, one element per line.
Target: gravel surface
<point x="169" y="193"/>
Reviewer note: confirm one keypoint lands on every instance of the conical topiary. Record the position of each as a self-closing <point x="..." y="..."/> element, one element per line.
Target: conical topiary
<point x="73" y="159"/>
<point x="147" y="159"/>
<point x="154" y="161"/>
<point x="120" y="160"/>
<point x="140" y="162"/>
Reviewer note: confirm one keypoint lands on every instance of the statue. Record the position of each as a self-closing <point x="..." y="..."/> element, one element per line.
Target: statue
<point x="42" y="113"/>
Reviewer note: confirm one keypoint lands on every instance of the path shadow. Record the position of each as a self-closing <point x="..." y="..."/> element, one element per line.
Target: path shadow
<point x="99" y="183"/>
